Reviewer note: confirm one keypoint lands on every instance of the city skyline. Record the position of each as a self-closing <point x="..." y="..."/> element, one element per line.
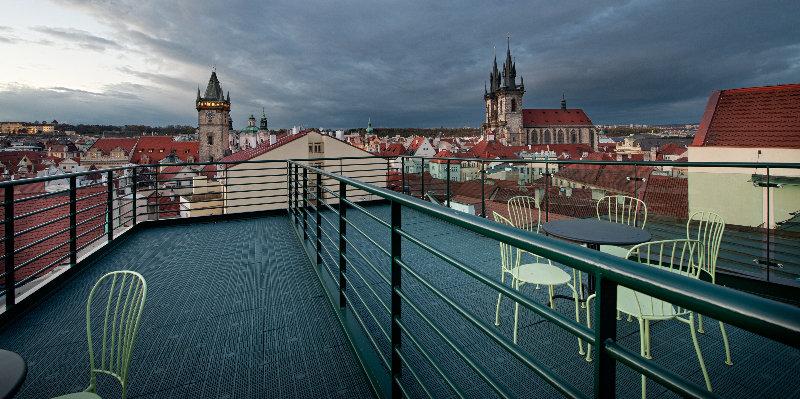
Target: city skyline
<point x="130" y="62"/>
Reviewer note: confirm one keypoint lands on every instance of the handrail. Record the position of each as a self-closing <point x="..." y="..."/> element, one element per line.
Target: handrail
<point x="757" y="165"/>
<point x="751" y="312"/>
<point x="777" y="321"/>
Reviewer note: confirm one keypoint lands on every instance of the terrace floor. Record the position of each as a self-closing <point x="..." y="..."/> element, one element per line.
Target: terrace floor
<point x="234" y="309"/>
<point x="762" y="368"/>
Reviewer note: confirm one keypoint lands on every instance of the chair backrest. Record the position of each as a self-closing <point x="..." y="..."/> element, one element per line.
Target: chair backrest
<point x="707" y="228"/>
<point x="119" y="296"/>
<point x="509" y="255"/>
<point x="524" y="213"/>
<point x="622" y="209"/>
<point x="679" y="256"/>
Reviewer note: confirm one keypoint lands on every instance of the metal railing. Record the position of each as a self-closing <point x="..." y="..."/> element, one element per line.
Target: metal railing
<point x="760" y="245"/>
<point x="309" y="207"/>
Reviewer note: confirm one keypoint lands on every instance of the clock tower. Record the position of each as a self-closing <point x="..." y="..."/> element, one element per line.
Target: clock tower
<point x="213" y="121"/>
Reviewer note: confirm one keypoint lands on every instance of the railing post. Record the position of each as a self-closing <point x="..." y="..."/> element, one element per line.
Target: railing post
<point x="342" y="243"/>
<point x="605" y="367"/>
<point x="546" y="195"/>
<point x="317" y="207"/>
<point x="296" y="192"/>
<point x="448" y="183"/>
<point x="289" y="192"/>
<point x="158" y="200"/>
<point x="110" y="204"/>
<point x="8" y="208"/>
<point x="305" y="203"/>
<point x="73" y="229"/>
<point x="768" y="225"/>
<point x="403" y="173"/>
<point x="483" y="189"/>
<point x="396" y="366"/>
<point x="422" y="178"/>
<point x="133" y="194"/>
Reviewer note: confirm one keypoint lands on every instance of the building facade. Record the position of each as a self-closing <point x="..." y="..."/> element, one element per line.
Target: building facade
<point x="213" y="121"/>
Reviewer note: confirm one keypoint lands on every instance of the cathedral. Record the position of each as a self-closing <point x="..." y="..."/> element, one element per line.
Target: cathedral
<point x="506" y="121"/>
<point x="251" y="136"/>
<point x="214" y="122"/>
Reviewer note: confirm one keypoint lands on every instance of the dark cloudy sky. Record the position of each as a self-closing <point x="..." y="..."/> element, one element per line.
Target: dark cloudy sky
<point x="402" y="63"/>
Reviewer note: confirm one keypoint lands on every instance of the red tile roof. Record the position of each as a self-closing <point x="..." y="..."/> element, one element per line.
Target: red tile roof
<point x="672" y="149"/>
<point x="767" y="116"/>
<point x="667" y="196"/>
<point x="610" y="177"/>
<point x="86" y="232"/>
<point x="490" y="149"/>
<point x="392" y="150"/>
<point x="264" y="148"/>
<point x="106" y="145"/>
<point x="554" y="117"/>
<point x="159" y="147"/>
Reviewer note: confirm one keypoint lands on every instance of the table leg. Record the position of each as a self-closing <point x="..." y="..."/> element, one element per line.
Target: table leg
<point x="591" y="281"/>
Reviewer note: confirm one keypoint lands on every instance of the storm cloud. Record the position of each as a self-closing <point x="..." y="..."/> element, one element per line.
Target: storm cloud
<point x="422" y="63"/>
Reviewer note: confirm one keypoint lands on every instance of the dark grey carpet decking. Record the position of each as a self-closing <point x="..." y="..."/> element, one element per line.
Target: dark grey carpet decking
<point x="233" y="310"/>
<point x="761" y="368"/>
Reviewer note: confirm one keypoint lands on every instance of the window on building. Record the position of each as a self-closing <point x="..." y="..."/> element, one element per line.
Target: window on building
<point x="513" y="105"/>
<point x="210" y="139"/>
<point x="315" y="148"/>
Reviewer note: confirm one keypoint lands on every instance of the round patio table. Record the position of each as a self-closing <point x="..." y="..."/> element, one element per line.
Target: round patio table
<point x="595" y="232"/>
<point x="12" y="373"/>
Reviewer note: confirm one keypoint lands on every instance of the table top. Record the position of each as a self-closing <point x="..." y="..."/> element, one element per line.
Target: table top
<point x="12" y="373"/>
<point x="594" y="231"/>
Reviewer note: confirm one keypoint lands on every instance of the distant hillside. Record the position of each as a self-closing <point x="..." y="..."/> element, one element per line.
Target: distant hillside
<point x="127" y="130"/>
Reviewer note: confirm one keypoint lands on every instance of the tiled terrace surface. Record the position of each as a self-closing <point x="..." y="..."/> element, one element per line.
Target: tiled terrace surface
<point x="234" y="310"/>
<point x="761" y="367"/>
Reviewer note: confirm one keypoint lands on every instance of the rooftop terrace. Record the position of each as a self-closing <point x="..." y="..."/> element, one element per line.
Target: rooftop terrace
<point x="253" y="305"/>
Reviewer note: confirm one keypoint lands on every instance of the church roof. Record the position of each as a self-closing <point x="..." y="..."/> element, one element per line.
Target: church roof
<point x="764" y="116"/>
<point x="554" y="117"/>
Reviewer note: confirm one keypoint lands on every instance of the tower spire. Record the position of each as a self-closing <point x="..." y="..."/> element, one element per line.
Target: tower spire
<point x="563" y="100"/>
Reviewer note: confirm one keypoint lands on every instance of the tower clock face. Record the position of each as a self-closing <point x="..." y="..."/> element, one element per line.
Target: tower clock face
<point x="209" y="116"/>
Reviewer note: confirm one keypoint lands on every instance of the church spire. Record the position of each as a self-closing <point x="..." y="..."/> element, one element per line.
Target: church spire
<point x="563" y="100"/>
<point x="198" y="92"/>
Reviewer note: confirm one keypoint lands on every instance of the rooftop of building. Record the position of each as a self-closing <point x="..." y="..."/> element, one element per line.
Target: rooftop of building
<point x="766" y="116"/>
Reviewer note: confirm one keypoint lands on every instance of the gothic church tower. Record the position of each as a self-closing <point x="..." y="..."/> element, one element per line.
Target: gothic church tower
<point x="213" y="121"/>
<point x="503" y="102"/>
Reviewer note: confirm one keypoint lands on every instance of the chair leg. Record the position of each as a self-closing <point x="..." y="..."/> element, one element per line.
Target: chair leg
<point x="647" y="353"/>
<point x="699" y="354"/>
<point x="516" y="320"/>
<point x="499" y="298"/>
<point x="728" y="360"/>
<point x="643" y="352"/>
<point x="588" y="325"/>
<point x="577" y="319"/>
<point x="550" y="292"/>
<point x="700" y="324"/>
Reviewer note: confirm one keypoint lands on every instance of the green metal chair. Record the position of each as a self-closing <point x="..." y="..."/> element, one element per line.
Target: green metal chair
<point x="121" y="294"/>
<point x="542" y="273"/>
<point x="682" y="256"/>
<point x="621" y="209"/>
<point x="707" y="228"/>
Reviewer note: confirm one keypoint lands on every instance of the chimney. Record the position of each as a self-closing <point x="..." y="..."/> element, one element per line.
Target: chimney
<point x="272" y="138"/>
<point x="340" y="135"/>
